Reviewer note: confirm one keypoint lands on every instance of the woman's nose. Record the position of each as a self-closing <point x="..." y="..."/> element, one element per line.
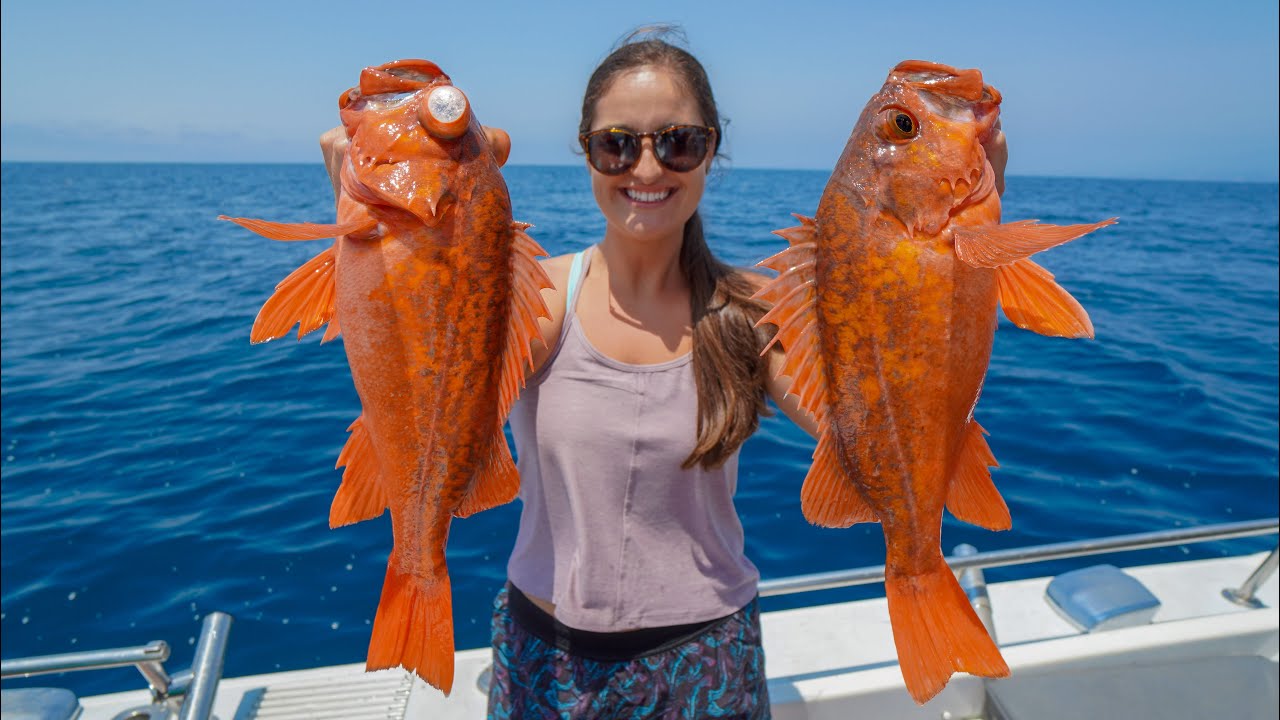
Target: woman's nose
<point x="647" y="167"/>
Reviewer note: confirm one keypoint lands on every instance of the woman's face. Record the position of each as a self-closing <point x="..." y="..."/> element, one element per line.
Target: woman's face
<point x="648" y="202"/>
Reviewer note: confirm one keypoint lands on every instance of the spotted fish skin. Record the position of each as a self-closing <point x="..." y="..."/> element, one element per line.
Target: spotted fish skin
<point x="886" y="307"/>
<point x="436" y="293"/>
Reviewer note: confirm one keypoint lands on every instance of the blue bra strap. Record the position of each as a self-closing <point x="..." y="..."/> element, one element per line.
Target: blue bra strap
<point x="575" y="272"/>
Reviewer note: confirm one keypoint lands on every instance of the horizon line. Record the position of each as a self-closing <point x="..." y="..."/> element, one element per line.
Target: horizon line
<point x="723" y="168"/>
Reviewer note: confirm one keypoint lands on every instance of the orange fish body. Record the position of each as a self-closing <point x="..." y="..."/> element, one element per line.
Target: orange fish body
<point x="436" y="291"/>
<point x="886" y="307"/>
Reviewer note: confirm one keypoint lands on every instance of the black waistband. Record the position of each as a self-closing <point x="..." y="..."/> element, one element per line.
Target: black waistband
<point x="603" y="646"/>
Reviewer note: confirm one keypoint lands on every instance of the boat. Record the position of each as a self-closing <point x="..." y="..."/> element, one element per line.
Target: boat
<point x="1188" y="639"/>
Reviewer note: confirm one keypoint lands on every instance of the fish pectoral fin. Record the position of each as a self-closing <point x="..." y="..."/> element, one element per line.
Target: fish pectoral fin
<point x="302" y="231"/>
<point x="528" y="279"/>
<point x="304" y="298"/>
<point x="1033" y="301"/>
<point x="971" y="496"/>
<point x="496" y="481"/>
<point x="995" y="245"/>
<point x="361" y="496"/>
<point x="936" y="631"/>
<point x="828" y="497"/>
<point x="794" y="299"/>
<point x="413" y="627"/>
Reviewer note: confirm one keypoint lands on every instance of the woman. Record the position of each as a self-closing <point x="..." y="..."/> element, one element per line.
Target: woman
<point x="629" y="594"/>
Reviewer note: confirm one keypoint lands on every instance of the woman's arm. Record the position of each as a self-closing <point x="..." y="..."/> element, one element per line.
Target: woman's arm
<point x="333" y="145"/>
<point x="788" y="404"/>
<point x="998" y="155"/>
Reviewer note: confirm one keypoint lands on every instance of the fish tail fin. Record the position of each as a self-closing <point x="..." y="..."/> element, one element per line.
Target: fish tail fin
<point x="1033" y="301"/>
<point x="414" y="626"/>
<point x="301" y="231"/>
<point x="936" y="631"/>
<point x="971" y="496"/>
<point x="496" y="481"/>
<point x="361" y="496"/>
<point x="828" y="497"/>
<point x="305" y="298"/>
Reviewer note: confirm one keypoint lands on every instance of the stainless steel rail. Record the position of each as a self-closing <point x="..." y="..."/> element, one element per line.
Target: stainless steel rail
<point x="206" y="668"/>
<point x="150" y="654"/>
<point x="1035" y="553"/>
<point x="1243" y="595"/>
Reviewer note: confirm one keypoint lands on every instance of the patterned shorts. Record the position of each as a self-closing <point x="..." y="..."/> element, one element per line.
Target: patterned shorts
<point x="718" y="673"/>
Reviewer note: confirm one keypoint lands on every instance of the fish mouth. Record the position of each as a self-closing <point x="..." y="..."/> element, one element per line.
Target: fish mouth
<point x="392" y="185"/>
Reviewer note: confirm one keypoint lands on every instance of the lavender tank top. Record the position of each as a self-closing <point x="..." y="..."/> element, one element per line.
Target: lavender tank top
<point x="613" y="530"/>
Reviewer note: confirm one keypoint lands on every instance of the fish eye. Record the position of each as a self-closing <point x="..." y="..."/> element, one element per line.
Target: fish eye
<point x="445" y="112"/>
<point x="898" y="125"/>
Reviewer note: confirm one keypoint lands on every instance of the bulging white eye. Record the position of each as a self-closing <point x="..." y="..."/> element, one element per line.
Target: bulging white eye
<point x="447" y="104"/>
<point x="445" y="114"/>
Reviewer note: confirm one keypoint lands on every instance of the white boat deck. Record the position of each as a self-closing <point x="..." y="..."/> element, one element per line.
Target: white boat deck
<point x="830" y="661"/>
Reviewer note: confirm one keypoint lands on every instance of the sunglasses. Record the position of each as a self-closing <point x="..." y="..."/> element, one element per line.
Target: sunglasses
<point x="679" y="148"/>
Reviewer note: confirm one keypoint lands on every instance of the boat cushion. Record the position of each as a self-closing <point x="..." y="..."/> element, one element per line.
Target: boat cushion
<point x="1101" y="597"/>
<point x="39" y="704"/>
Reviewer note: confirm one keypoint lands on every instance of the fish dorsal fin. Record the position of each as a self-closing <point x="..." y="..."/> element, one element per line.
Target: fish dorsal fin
<point x="496" y="480"/>
<point x="1033" y="301"/>
<point x="528" y="280"/>
<point x="794" y="299"/>
<point x="995" y="245"/>
<point x="302" y="231"/>
<point x="828" y="497"/>
<point x="361" y="496"/>
<point x="971" y="496"/>
<point x="304" y="298"/>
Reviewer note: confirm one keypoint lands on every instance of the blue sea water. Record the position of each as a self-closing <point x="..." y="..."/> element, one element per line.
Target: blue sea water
<point x="157" y="467"/>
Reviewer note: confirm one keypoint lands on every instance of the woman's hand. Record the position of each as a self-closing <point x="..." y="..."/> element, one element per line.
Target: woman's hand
<point x="333" y="145"/>
<point x="997" y="154"/>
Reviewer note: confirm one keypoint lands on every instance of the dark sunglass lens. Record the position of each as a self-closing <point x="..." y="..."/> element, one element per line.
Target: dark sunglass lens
<point x="683" y="148"/>
<point x="612" y="153"/>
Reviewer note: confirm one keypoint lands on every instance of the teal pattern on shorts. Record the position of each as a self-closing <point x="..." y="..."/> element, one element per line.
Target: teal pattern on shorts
<point x="718" y="674"/>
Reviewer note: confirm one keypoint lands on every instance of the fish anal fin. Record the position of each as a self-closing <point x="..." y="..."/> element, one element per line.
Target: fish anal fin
<point x="991" y="246"/>
<point x="413" y="627"/>
<point x="496" y="481"/>
<point x="828" y="497"/>
<point x="302" y="231"/>
<point x="361" y="496"/>
<point x="304" y="298"/>
<point x="936" y="631"/>
<point x="528" y="279"/>
<point x="971" y="496"/>
<point x="1033" y="301"/>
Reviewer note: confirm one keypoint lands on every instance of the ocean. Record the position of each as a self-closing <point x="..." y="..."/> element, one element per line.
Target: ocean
<point x="157" y="467"/>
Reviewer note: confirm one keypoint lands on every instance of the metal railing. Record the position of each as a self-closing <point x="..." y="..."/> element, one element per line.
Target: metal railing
<point x="198" y="684"/>
<point x="1053" y="551"/>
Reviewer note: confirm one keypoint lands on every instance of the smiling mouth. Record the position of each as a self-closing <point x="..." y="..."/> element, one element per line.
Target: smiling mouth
<point x="647" y="197"/>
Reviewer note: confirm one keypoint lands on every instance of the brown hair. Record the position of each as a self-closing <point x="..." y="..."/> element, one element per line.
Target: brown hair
<point x="727" y="367"/>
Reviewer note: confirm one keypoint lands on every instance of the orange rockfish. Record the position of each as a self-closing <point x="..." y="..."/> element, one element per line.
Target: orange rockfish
<point x="886" y="307"/>
<point x="437" y="293"/>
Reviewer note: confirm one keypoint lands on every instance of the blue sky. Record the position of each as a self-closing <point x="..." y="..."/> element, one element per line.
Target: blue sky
<point x="1127" y="89"/>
